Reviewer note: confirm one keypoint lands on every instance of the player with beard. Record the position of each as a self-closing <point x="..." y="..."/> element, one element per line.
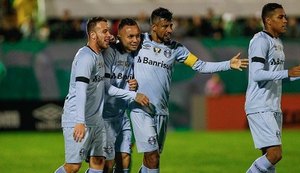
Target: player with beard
<point x="82" y="122"/>
<point x="153" y="67"/>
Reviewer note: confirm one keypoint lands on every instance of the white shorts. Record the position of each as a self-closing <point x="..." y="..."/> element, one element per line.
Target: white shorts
<point x="119" y="135"/>
<point x="92" y="144"/>
<point x="266" y="128"/>
<point x="149" y="131"/>
<point x="124" y="139"/>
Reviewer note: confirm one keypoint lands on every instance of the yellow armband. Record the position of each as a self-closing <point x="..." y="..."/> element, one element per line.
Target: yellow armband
<point x="190" y="60"/>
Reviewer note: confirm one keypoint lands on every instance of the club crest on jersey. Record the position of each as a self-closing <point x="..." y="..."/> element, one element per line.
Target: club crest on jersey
<point x="156" y="50"/>
<point x="167" y="53"/>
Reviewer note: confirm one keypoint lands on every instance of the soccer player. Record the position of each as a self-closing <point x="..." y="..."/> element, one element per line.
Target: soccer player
<point x="153" y="68"/>
<point x="263" y="96"/>
<point x="119" y="69"/>
<point x="82" y="122"/>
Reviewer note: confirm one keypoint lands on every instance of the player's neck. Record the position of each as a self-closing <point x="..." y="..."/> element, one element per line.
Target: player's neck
<point x="272" y="33"/>
<point x="94" y="47"/>
<point x="154" y="37"/>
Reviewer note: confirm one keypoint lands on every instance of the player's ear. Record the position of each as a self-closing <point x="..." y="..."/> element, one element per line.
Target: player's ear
<point x="93" y="35"/>
<point x="153" y="27"/>
<point x="268" y="20"/>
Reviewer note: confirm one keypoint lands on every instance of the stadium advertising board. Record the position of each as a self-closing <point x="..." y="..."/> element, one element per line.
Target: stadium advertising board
<point x="30" y="115"/>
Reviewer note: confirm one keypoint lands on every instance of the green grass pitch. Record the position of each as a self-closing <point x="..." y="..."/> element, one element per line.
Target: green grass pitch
<point x="185" y="151"/>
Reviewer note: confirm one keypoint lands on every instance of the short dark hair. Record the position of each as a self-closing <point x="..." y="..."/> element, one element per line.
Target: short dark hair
<point x="161" y="13"/>
<point x="126" y="21"/>
<point x="268" y="9"/>
<point x="92" y="22"/>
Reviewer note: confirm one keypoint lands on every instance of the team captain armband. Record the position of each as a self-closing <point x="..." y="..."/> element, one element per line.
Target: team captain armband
<point x="190" y="60"/>
<point x="82" y="79"/>
<point x="258" y="59"/>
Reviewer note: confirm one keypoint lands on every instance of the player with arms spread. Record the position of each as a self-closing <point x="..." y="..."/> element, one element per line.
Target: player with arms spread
<point x="153" y="68"/>
<point x="263" y="96"/>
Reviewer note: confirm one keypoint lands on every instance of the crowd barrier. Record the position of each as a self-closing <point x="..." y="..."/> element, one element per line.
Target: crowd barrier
<point x="38" y="73"/>
<point x="227" y="112"/>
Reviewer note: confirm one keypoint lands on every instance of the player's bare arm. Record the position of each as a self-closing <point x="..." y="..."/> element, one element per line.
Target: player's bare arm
<point x="237" y="63"/>
<point x="294" y="71"/>
<point x="133" y="84"/>
<point x="79" y="132"/>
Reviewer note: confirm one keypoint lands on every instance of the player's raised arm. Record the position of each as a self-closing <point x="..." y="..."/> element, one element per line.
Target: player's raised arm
<point x="237" y="63"/>
<point x="210" y="67"/>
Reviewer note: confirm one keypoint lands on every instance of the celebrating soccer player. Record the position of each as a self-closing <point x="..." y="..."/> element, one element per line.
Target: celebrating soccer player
<point x="153" y="68"/>
<point x="119" y="70"/>
<point x="82" y="121"/>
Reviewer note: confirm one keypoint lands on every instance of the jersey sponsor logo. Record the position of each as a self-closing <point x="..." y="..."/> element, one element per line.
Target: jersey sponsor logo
<point x="148" y="61"/>
<point x="276" y="61"/>
<point x="121" y="76"/>
<point x="98" y="78"/>
<point x="123" y="63"/>
<point x="167" y="53"/>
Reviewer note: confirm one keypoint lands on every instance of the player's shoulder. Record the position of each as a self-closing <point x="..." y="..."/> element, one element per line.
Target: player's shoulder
<point x="86" y="54"/>
<point x="175" y="44"/>
<point x="111" y="50"/>
<point x="83" y="51"/>
<point x="262" y="37"/>
<point x="86" y="50"/>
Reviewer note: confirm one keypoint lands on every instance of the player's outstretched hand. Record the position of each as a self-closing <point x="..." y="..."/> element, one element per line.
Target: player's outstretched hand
<point x="294" y="71"/>
<point x="142" y="99"/>
<point x="237" y="63"/>
<point x="79" y="132"/>
<point x="133" y="85"/>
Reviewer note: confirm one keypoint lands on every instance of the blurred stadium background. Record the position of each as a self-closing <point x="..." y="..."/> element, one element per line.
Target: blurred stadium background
<point x="39" y="38"/>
